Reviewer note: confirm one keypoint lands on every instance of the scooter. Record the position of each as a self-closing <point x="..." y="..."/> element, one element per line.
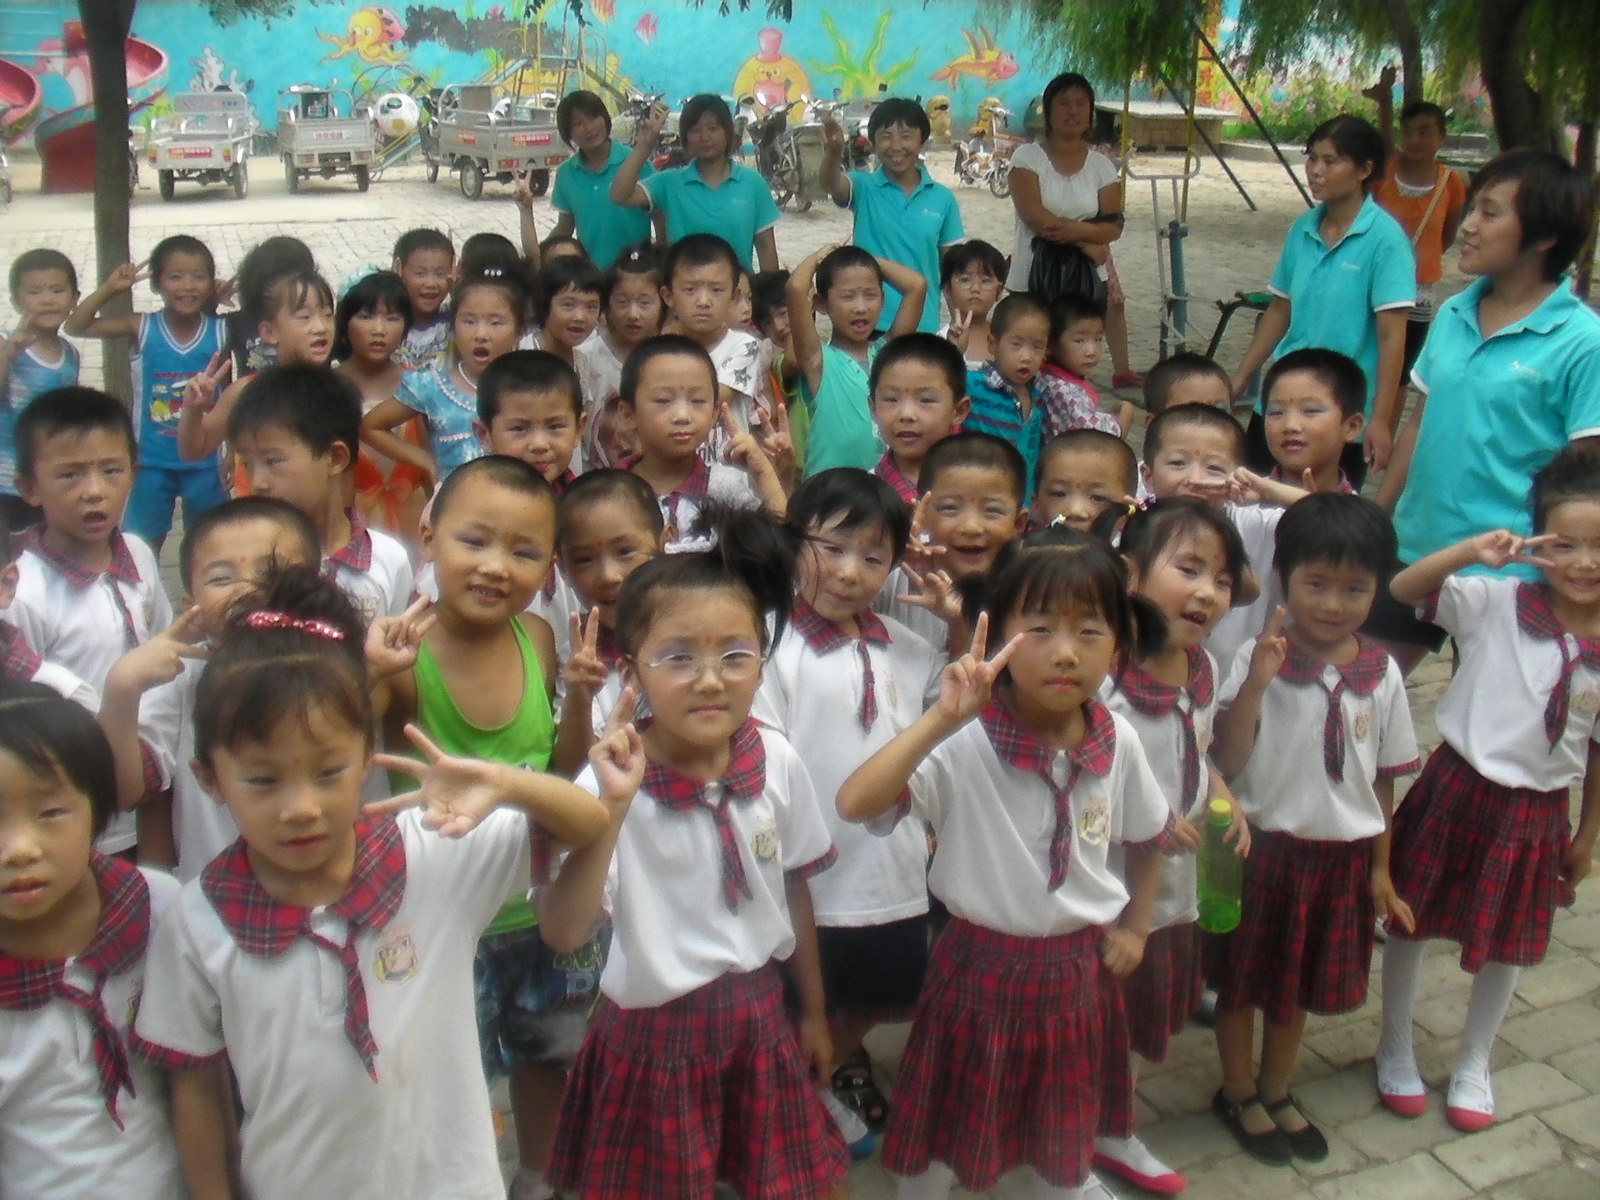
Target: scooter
<point x="982" y="159"/>
<point x="777" y="157"/>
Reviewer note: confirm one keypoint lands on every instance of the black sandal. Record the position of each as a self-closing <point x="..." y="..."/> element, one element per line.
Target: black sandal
<point x="1308" y="1144"/>
<point x="1271" y="1147"/>
<point x="855" y="1089"/>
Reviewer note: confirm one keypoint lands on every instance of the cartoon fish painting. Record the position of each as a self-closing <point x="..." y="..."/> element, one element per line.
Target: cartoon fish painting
<point x="984" y="62"/>
<point x="647" y="27"/>
<point x="604" y="10"/>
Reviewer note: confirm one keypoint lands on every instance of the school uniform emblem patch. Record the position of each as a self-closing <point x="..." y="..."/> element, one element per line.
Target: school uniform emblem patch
<point x="396" y="957"/>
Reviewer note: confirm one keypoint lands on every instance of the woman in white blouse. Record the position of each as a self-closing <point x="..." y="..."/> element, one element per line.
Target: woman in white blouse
<point x="1061" y="183"/>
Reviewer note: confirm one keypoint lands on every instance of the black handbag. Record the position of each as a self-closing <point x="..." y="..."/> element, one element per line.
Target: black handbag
<point x="1060" y="269"/>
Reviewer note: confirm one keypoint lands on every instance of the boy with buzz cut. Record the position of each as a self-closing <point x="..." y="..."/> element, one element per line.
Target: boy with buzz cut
<point x="1186" y="378"/>
<point x="919" y="395"/>
<point x="833" y="376"/>
<point x="86" y="593"/>
<point x="296" y="432"/>
<point x="425" y="260"/>
<point x="901" y="214"/>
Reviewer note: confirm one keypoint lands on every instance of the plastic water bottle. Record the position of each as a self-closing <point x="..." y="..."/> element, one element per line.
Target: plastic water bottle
<point x="1221" y="872"/>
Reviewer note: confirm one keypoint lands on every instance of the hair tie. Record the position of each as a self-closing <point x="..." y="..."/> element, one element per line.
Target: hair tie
<point x="267" y="618"/>
<point x="1058" y="520"/>
<point x="1133" y="507"/>
<point x="491" y="272"/>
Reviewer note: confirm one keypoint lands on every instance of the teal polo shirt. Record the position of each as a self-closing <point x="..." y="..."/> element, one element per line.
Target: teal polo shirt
<point x="909" y="229"/>
<point x="842" y="432"/>
<point x="1335" y="293"/>
<point x="736" y="210"/>
<point x="604" y="228"/>
<point x="1499" y="408"/>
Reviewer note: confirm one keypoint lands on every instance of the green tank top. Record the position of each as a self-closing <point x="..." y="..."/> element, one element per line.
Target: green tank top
<point x="526" y="740"/>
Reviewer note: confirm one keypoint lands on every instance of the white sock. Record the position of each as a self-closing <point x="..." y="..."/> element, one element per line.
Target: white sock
<point x="933" y="1184"/>
<point x="1132" y="1152"/>
<point x="1397" y="1055"/>
<point x="1492" y="988"/>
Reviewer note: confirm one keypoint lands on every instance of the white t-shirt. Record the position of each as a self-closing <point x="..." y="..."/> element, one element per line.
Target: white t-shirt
<point x="384" y="587"/>
<point x="1492" y="713"/>
<point x="1258" y="529"/>
<point x="202" y="825"/>
<point x="994" y="824"/>
<point x="672" y="931"/>
<point x="814" y="697"/>
<point x="926" y="624"/>
<point x="316" y="1124"/>
<point x="681" y="509"/>
<point x="57" y="1139"/>
<point x="1074" y="196"/>
<point x="600" y="378"/>
<point x="1285" y="786"/>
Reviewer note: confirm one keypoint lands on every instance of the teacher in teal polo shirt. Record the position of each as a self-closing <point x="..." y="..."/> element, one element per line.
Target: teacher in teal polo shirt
<point x="582" y="192"/>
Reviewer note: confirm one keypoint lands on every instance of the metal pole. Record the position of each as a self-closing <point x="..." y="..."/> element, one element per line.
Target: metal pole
<point x="1216" y="153"/>
<point x="1254" y="115"/>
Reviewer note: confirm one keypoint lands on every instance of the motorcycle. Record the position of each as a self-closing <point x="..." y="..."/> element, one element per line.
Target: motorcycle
<point x="985" y="157"/>
<point x="852" y="118"/>
<point x="669" y="151"/>
<point x="778" y="157"/>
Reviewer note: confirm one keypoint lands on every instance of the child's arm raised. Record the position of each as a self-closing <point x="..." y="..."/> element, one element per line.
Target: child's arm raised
<point x="626" y="189"/>
<point x="1496" y="549"/>
<point x="584" y="674"/>
<point x="833" y="177"/>
<point x="158" y="661"/>
<point x="745" y="452"/>
<point x="201" y="1126"/>
<point x="200" y="430"/>
<point x="1237" y="724"/>
<point x="86" y="321"/>
<point x="805" y="343"/>
<point x="375" y="432"/>
<point x="964" y="690"/>
<point x="913" y="289"/>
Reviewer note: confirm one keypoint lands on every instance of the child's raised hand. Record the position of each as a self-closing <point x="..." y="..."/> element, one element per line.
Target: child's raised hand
<point x="832" y="132"/>
<point x="1501" y="547"/>
<point x="126" y="276"/>
<point x="14" y="345"/>
<point x="1247" y="487"/>
<point x="162" y="658"/>
<point x="522" y="193"/>
<point x="966" y="684"/>
<point x="936" y="592"/>
<point x="1388" y="904"/>
<point x="742" y="450"/>
<point x="1271" y="649"/>
<point x="584" y="671"/>
<point x="224" y="291"/>
<point x="1385" y="85"/>
<point x="618" y="757"/>
<point x="773" y="438"/>
<point x="457" y="792"/>
<point x="920" y="552"/>
<point x="651" y="125"/>
<point x="202" y="389"/>
<point x="1121" y="950"/>
<point x="392" y="642"/>
<point x="959" y="331"/>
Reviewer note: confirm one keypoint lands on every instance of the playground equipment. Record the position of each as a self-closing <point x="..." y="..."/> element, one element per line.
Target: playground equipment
<point x="481" y="136"/>
<point x="206" y="140"/>
<point x="323" y="131"/>
<point x="66" y="139"/>
<point x="20" y="92"/>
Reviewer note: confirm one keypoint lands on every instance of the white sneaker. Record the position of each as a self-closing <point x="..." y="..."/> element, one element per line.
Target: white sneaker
<point x="1470" y="1105"/>
<point x="851" y="1127"/>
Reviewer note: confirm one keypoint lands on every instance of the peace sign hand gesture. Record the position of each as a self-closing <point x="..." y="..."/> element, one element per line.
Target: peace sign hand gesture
<point x="1501" y="548"/>
<point x="773" y="437"/>
<point x="123" y="278"/>
<point x="392" y="642"/>
<point x="523" y="192"/>
<point x="201" y="391"/>
<point x="584" y="672"/>
<point x="457" y="792"/>
<point x="1270" y="651"/>
<point x="967" y="684"/>
<point x="618" y="757"/>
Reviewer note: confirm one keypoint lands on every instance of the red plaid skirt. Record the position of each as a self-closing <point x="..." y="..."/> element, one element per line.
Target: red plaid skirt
<point x="1480" y="863"/>
<point x="1164" y="990"/>
<point x="1304" y="939"/>
<point x="1018" y="1057"/>
<point x="663" y="1102"/>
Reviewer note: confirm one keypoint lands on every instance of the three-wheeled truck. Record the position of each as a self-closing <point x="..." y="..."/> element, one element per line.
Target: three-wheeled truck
<point x="205" y="140"/>
<point x="322" y="131"/>
<point x="480" y="136"/>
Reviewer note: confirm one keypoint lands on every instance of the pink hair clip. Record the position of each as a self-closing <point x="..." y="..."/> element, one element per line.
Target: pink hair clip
<point x="270" y="619"/>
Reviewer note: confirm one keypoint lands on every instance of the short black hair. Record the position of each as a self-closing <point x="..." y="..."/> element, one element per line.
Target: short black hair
<point x="1160" y="379"/>
<point x="695" y="108"/>
<point x="1066" y="311"/>
<point x="318" y="406"/>
<point x="1339" y="373"/>
<point x="263" y="265"/>
<point x="972" y="449"/>
<point x="663" y="345"/>
<point x="291" y="290"/>
<point x="1014" y="308"/>
<point x="371" y="293"/>
<point x="1202" y="415"/>
<point x="608" y="483"/>
<point x="1555" y="202"/>
<point x="1357" y="139"/>
<point x="928" y="349"/>
<point x="1573" y="474"/>
<point x="1096" y="441"/>
<point x="56" y="737"/>
<point x="72" y="410"/>
<point x="855" y="498"/>
<point x="843" y="258"/>
<point x="41" y="259"/>
<point x="897" y="110"/>
<point x="567" y="271"/>
<point x="768" y="293"/>
<point x="178" y="243"/>
<point x="413" y="241"/>
<point x="700" y="250"/>
<point x="963" y="256"/>
<point x="1061" y="83"/>
<point x="580" y="103"/>
<point x="501" y="470"/>
<point x="526" y="371"/>
<point x="239" y="511"/>
<point x="1424" y="108"/>
<point x="1338" y="530"/>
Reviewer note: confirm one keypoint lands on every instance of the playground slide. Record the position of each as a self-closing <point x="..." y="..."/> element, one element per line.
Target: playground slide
<point x="19" y="99"/>
<point x="66" y="139"/>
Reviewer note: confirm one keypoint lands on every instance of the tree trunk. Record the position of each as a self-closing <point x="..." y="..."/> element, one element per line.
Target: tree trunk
<point x="105" y="27"/>
<point x="1409" y="41"/>
<point x="1521" y="117"/>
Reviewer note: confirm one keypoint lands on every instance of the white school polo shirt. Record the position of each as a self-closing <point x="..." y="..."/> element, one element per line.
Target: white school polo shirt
<point x="1285" y="787"/>
<point x="672" y="931"/>
<point x="680" y="509"/>
<point x="814" y="697"/>
<point x="374" y="570"/>
<point x="202" y="825"/>
<point x="316" y="1124"/>
<point x="57" y="1140"/>
<point x="1492" y="714"/>
<point x="1258" y="530"/>
<point x="994" y="824"/>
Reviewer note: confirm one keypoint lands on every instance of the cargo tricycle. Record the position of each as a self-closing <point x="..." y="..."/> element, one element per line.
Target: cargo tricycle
<point x="205" y="140"/>
<point x="481" y="136"/>
<point x="322" y="131"/>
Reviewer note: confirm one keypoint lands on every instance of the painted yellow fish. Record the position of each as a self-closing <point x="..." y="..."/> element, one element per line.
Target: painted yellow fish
<point x="984" y="62"/>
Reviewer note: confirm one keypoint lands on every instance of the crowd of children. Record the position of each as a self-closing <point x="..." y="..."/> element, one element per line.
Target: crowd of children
<point x="682" y="686"/>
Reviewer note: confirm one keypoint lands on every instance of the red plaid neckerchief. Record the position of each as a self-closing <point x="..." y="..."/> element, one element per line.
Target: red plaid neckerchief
<point x="18" y="660"/>
<point x="824" y="636"/>
<point x="606" y="646"/>
<point x="122" y="570"/>
<point x="743" y="781"/>
<point x="1156" y="699"/>
<point x="889" y="471"/>
<point x="119" y="943"/>
<point x="1361" y="675"/>
<point x="266" y="927"/>
<point x="1022" y="750"/>
<point x="696" y="487"/>
<point x="1536" y="619"/>
<point x="355" y="554"/>
<point x="1343" y="487"/>
<point x="564" y="482"/>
